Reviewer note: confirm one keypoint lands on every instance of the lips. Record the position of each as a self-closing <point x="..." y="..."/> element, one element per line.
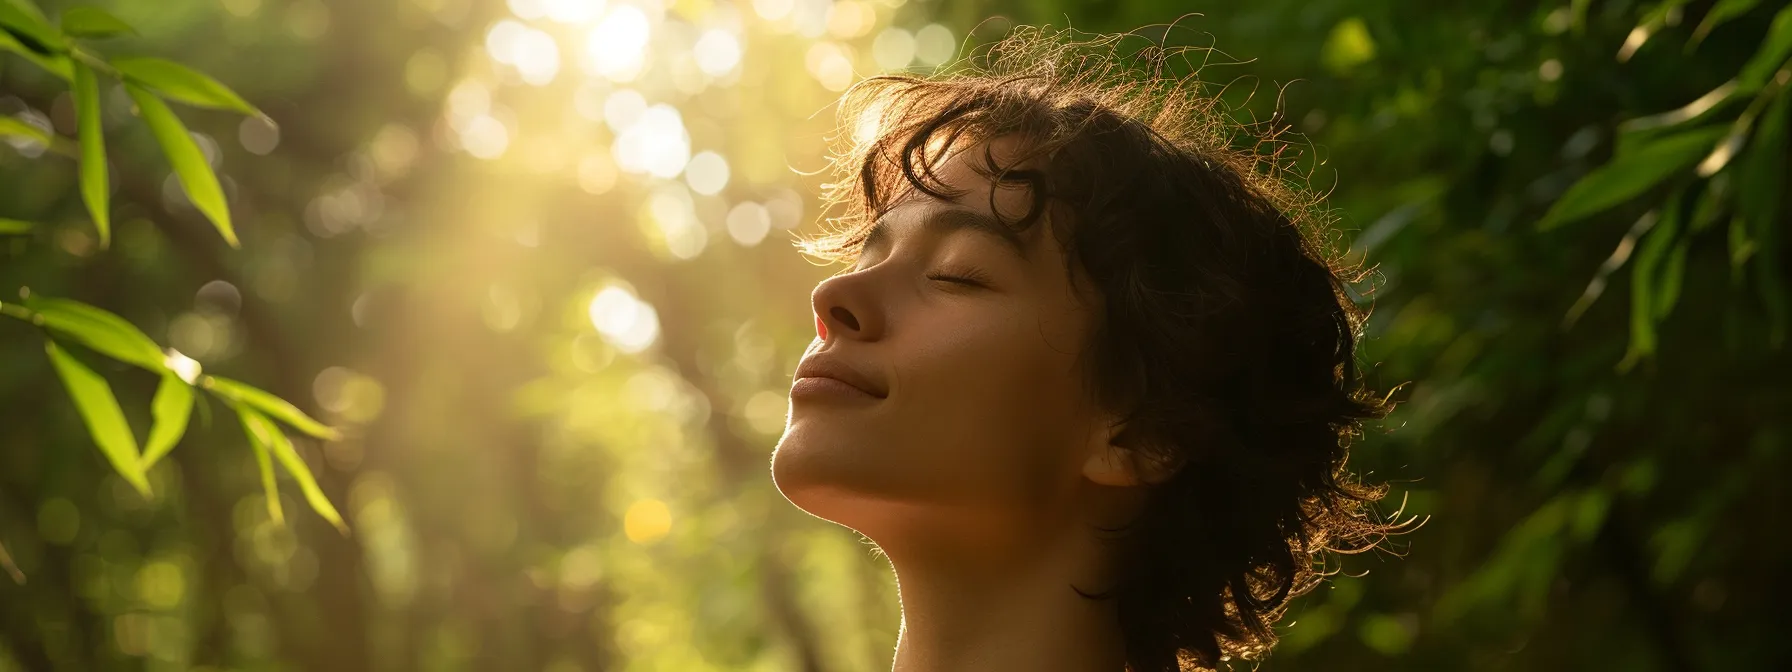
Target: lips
<point x="825" y="366"/>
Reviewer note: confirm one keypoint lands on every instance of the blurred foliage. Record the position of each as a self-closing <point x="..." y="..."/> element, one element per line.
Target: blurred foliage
<point x="529" y="257"/>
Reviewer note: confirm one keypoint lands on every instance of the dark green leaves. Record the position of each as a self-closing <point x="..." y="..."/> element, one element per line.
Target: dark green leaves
<point x="1772" y="55"/>
<point x="1630" y="174"/>
<point x="23" y="20"/>
<point x="189" y="164"/>
<point x="278" y="408"/>
<point x="171" y="408"/>
<point x="106" y="333"/>
<point x="181" y="83"/>
<point x="94" y="187"/>
<point x="94" y="22"/>
<point x="99" y="409"/>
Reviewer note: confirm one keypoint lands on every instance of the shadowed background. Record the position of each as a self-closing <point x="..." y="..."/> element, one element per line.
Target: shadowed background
<point x="533" y="257"/>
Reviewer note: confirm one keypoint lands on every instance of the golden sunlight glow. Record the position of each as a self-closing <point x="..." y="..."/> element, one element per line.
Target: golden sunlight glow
<point x="616" y="48"/>
<point x="626" y="322"/>
<point x="655" y="142"/>
<point x="647" y="521"/>
<point x="717" y="52"/>
<point x="848" y="19"/>
<point x="707" y="173"/>
<point x="934" y="44"/>
<point x="572" y="11"/>
<point x="772" y="10"/>
<point x="672" y="215"/>
<point x="748" y="223"/>
<point x="893" y="49"/>
<point x="830" y="64"/>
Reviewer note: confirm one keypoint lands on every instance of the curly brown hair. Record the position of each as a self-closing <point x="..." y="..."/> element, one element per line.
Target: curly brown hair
<point x="1227" y="328"/>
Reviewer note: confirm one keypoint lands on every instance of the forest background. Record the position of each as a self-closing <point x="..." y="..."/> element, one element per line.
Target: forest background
<point x="517" y="280"/>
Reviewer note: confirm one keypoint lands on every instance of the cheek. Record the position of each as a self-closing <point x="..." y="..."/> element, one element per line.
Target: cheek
<point x="990" y="401"/>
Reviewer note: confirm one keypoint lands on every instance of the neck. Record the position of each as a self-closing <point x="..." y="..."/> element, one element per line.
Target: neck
<point x="1012" y="615"/>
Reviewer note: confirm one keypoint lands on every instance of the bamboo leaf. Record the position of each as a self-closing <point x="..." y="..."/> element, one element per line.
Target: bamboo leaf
<point x="282" y="449"/>
<point x="56" y="64"/>
<point x="1651" y="252"/>
<point x="14" y="227"/>
<point x="16" y="127"/>
<point x="1673" y="275"/>
<point x="1760" y="180"/>
<point x="1720" y="14"/>
<point x="181" y="83"/>
<point x="94" y="187"/>
<point x="172" y="406"/>
<point x="99" y="409"/>
<point x="189" y="163"/>
<point x="1776" y="47"/>
<point x="104" y="332"/>
<point x="258" y="442"/>
<point x="94" y="22"/>
<point x="266" y="402"/>
<point x="1629" y="175"/>
<point x="23" y="19"/>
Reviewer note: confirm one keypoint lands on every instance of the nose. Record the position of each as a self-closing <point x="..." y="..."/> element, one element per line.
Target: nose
<point x="846" y="306"/>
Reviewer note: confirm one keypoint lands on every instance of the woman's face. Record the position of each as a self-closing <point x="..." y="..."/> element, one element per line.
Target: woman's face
<point x="973" y="419"/>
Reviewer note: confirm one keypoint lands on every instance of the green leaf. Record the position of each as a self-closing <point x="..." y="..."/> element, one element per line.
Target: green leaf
<point x="16" y="127"/>
<point x="1653" y="249"/>
<point x="14" y="227"/>
<point x="99" y="409"/>
<point x="24" y="19"/>
<point x="104" y="332"/>
<point x="172" y="406"/>
<point x="263" y="430"/>
<point x="1760" y="181"/>
<point x="1629" y="175"/>
<point x="94" y="22"/>
<point x="1720" y="14"/>
<point x="94" y="187"/>
<point x="1673" y="276"/>
<point x="56" y="64"/>
<point x="265" y="402"/>
<point x="258" y="443"/>
<point x="188" y="162"/>
<point x="184" y="84"/>
<point x="1775" y="48"/>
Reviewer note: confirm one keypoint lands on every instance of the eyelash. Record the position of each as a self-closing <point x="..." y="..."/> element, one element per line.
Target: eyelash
<point x="964" y="276"/>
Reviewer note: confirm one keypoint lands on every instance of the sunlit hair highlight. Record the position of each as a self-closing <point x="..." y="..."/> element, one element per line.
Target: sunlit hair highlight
<point x="1227" y="333"/>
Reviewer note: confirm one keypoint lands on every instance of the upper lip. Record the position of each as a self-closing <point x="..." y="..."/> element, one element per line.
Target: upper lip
<point x="823" y="366"/>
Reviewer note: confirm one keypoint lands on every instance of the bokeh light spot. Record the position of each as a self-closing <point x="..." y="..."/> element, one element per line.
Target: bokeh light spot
<point x="647" y="521"/>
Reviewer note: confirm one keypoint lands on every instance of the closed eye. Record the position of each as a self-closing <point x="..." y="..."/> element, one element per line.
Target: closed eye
<point x="966" y="277"/>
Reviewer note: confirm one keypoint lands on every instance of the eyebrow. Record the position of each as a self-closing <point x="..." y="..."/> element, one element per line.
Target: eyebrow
<point x="951" y="220"/>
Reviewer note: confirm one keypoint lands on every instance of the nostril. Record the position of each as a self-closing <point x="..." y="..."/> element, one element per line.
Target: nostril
<point x="845" y="317"/>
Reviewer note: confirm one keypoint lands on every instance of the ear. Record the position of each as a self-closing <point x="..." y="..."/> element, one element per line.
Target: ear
<point x="1114" y="459"/>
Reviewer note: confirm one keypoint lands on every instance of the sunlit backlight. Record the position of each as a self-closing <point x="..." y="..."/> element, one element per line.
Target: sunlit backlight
<point x="485" y="137"/>
<point x="597" y="173"/>
<point x="748" y="223"/>
<point x="707" y="173"/>
<point x="673" y="217"/>
<point x="626" y="322"/>
<point x="656" y="143"/>
<point x="717" y="52"/>
<point x="572" y="11"/>
<point x="829" y="63"/>
<point x="185" y="367"/>
<point x="622" y="108"/>
<point x="534" y="53"/>
<point x="647" y="521"/>
<point x="893" y="49"/>
<point x="848" y="19"/>
<point x="934" y="44"/>
<point x="616" y="47"/>
<point x="772" y="10"/>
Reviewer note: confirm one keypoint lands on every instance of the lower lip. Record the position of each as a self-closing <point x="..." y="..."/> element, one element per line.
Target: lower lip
<point x="816" y="387"/>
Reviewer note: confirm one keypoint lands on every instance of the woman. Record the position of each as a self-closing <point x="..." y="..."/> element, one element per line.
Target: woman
<point x="1089" y="381"/>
